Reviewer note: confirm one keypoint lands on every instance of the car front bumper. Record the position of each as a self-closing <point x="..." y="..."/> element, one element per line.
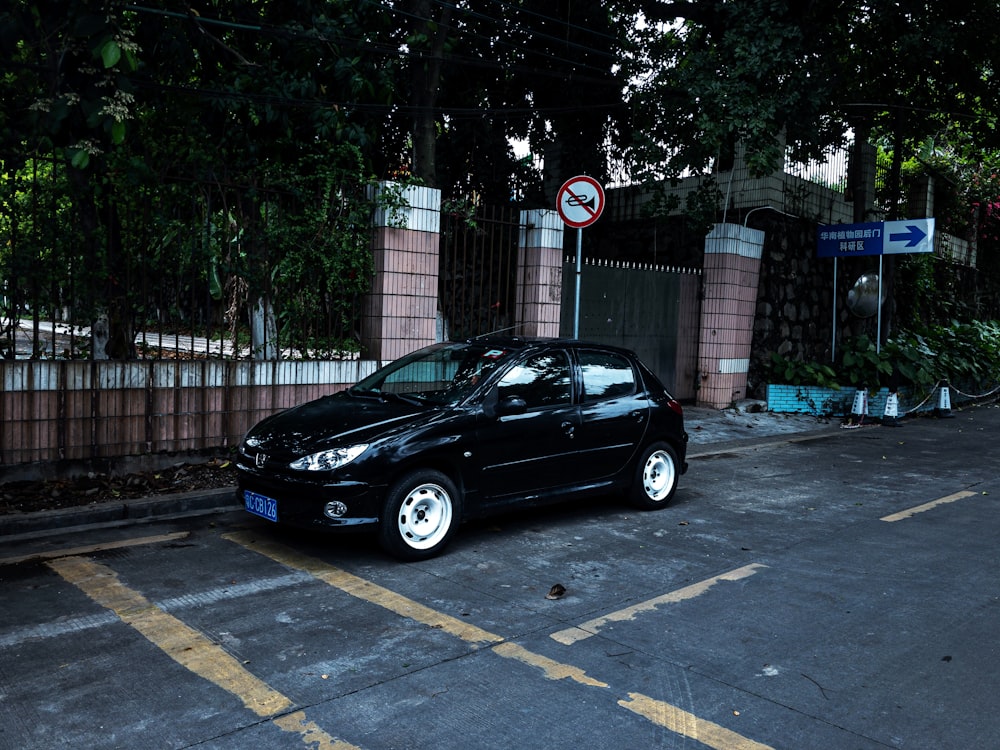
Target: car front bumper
<point x="303" y="503"/>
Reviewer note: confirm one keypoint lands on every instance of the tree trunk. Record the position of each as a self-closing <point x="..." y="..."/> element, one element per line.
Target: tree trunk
<point x="429" y="39"/>
<point x="263" y="331"/>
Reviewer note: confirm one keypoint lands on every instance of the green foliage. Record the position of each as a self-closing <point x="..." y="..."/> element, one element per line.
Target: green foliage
<point x="172" y="132"/>
<point x="706" y="75"/>
<point x="959" y="352"/>
<point x="861" y="365"/>
<point x="321" y="225"/>
<point x="795" y="372"/>
<point x="179" y="167"/>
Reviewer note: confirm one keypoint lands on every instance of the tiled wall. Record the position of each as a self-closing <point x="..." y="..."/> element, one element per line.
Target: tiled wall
<point x="401" y="311"/>
<point x="85" y="410"/>
<point x="731" y="272"/>
<point x="807" y="399"/>
<point x="539" y="273"/>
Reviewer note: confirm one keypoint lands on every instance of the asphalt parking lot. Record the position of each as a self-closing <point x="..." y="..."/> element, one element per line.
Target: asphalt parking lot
<point x="809" y="588"/>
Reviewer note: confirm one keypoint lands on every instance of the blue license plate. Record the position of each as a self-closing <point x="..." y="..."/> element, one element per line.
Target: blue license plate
<point x="261" y="505"/>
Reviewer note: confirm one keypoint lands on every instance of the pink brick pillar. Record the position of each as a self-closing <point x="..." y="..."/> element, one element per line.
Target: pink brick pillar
<point x="731" y="274"/>
<point x="401" y="310"/>
<point x="539" y="274"/>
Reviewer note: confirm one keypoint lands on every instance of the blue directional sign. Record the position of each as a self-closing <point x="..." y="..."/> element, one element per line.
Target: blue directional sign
<point x="875" y="238"/>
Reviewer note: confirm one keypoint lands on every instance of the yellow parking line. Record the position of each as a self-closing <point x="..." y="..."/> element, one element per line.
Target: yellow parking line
<point x="660" y="713"/>
<point x="904" y="514"/>
<point x="553" y="669"/>
<point x="91" y="549"/>
<point x="365" y="590"/>
<point x="590" y="628"/>
<point x="188" y="647"/>
<point x="687" y="724"/>
<point x="312" y="736"/>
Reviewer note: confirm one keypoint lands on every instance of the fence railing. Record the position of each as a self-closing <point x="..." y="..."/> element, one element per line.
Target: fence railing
<point x="478" y="270"/>
<point x="180" y="269"/>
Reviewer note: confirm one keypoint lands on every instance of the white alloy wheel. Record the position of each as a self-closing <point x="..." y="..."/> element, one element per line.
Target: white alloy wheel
<point x="425" y="516"/>
<point x="656" y="477"/>
<point x="421" y="513"/>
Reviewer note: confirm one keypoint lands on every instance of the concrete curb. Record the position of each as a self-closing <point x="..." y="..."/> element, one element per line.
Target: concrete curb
<point x="706" y="450"/>
<point x="198" y="502"/>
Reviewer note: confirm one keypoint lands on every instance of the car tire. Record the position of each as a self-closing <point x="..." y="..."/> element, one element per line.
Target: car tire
<point x="421" y="513"/>
<point x="656" y="477"/>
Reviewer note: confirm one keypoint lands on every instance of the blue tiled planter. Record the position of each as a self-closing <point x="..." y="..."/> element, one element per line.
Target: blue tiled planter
<point x="830" y="402"/>
<point x="808" y="399"/>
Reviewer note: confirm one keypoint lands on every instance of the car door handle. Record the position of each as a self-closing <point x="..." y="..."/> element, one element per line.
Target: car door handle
<point x="569" y="428"/>
<point x="638" y="414"/>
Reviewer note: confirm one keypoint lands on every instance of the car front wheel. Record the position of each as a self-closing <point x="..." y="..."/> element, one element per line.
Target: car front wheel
<point x="656" y="477"/>
<point x="421" y="514"/>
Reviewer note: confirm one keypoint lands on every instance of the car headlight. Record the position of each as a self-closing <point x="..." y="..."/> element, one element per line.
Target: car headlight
<point x="329" y="460"/>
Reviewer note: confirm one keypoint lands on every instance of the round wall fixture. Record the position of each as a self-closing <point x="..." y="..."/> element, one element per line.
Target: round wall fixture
<point x="863" y="297"/>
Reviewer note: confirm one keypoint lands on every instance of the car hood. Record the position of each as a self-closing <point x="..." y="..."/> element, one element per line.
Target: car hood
<point x="336" y="420"/>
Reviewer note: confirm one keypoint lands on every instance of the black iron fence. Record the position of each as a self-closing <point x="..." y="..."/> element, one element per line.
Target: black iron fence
<point x="173" y="268"/>
<point x="478" y="271"/>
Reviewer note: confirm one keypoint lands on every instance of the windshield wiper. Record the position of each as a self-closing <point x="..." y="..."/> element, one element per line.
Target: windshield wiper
<point x="406" y="398"/>
<point x="355" y="393"/>
<point x="414" y="399"/>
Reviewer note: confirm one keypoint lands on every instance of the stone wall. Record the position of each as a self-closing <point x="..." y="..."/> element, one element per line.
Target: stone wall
<point x="795" y="316"/>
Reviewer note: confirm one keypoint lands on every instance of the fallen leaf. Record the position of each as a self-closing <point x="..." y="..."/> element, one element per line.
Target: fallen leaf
<point x="556" y="592"/>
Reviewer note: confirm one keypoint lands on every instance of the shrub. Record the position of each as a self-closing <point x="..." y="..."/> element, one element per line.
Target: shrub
<point x="964" y="352"/>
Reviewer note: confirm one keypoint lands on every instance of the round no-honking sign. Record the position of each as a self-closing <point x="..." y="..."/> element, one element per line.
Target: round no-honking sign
<point x="580" y="201"/>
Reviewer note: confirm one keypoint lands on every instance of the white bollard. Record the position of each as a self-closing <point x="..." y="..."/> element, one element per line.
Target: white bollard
<point x="891" y="416"/>
<point x="859" y="410"/>
<point x="943" y="409"/>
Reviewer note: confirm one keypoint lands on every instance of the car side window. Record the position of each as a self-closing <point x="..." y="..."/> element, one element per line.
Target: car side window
<point x="542" y="380"/>
<point x="606" y="375"/>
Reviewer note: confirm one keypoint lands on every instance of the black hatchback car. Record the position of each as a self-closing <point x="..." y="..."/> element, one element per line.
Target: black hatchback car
<point x="459" y="430"/>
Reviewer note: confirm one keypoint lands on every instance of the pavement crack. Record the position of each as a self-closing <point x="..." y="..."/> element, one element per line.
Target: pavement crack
<point x="822" y="689"/>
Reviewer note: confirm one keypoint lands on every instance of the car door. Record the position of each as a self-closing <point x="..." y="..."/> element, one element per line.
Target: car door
<point x="614" y="413"/>
<point x="527" y="453"/>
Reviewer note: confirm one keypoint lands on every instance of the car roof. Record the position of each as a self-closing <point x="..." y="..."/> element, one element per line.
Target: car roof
<point x="519" y="342"/>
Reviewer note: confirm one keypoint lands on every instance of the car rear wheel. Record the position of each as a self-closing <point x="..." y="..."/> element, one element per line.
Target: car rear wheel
<point x="420" y="515"/>
<point x="656" y="477"/>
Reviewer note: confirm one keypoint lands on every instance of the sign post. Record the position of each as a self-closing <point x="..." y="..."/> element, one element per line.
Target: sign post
<point x="872" y="238"/>
<point x="580" y="202"/>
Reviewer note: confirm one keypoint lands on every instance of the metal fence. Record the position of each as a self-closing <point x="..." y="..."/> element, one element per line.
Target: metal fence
<point x="172" y="269"/>
<point x="478" y="270"/>
<point x="651" y="309"/>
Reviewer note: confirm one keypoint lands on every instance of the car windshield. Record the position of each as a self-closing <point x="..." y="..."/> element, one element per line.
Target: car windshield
<point x="442" y="374"/>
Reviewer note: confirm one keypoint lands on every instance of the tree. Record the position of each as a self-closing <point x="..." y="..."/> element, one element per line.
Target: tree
<point x="137" y="103"/>
<point x="481" y="73"/>
<point x="799" y="77"/>
<point x="772" y="73"/>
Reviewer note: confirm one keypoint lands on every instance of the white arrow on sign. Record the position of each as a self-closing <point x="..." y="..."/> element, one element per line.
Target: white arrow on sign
<point x="909" y="236"/>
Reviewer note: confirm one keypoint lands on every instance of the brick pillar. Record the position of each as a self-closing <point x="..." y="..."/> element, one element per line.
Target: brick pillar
<point x="731" y="274"/>
<point x="539" y="273"/>
<point x="400" y="312"/>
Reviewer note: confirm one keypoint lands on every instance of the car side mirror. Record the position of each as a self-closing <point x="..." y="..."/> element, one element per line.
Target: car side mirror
<point x="511" y="405"/>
